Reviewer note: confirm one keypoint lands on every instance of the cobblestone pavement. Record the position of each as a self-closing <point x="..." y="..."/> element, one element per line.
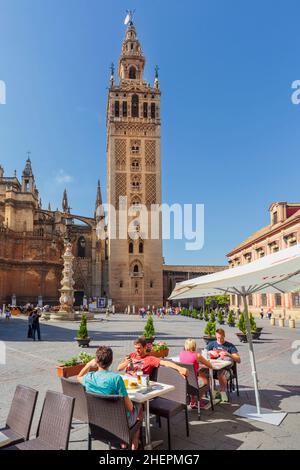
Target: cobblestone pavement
<point x="33" y="363"/>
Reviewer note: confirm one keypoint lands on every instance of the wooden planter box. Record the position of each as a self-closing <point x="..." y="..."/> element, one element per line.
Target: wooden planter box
<point x="162" y="353"/>
<point x="71" y="371"/>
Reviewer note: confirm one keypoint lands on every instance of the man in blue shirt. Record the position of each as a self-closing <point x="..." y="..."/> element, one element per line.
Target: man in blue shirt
<point x="106" y="382"/>
<point x="226" y="351"/>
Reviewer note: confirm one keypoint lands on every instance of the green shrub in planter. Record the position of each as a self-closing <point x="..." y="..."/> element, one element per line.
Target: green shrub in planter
<point x="82" y="332"/>
<point x="230" y="318"/>
<point x="206" y="316"/>
<point x="194" y="313"/>
<point x="252" y="323"/>
<point x="149" y="331"/>
<point x="220" y="317"/>
<point x="241" y="323"/>
<point x="201" y="315"/>
<point x="212" y="317"/>
<point x="210" y="329"/>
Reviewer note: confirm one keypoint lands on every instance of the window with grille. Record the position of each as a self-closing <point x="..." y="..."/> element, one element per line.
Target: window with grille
<point x="264" y="300"/>
<point x="124" y="108"/>
<point x="296" y="300"/>
<point x="153" y="111"/>
<point x="278" y="300"/>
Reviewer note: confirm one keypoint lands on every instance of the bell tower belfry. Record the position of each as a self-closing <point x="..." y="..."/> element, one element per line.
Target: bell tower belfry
<point x="134" y="177"/>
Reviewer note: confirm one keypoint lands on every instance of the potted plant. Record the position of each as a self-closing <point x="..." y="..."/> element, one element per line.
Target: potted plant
<point x="206" y="316"/>
<point x="74" y="365"/>
<point x="149" y="331"/>
<point x="194" y="314"/>
<point x="159" y="349"/>
<point x="82" y="337"/>
<point x="242" y="327"/>
<point x="212" y="317"/>
<point x="230" y="319"/>
<point x="210" y="331"/>
<point x="220" y="317"/>
<point x="201" y="315"/>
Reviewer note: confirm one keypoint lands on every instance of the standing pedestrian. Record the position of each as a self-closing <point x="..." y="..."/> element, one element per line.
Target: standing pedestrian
<point x="36" y="325"/>
<point x="269" y="313"/>
<point x="262" y="313"/>
<point x="30" y="323"/>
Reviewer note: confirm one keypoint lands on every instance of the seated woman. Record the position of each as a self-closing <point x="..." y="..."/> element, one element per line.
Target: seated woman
<point x="190" y="356"/>
<point x="106" y="382"/>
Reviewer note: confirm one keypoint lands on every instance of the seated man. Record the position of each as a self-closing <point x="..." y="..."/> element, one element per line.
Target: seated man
<point x="224" y="350"/>
<point x="106" y="382"/>
<point x="140" y="360"/>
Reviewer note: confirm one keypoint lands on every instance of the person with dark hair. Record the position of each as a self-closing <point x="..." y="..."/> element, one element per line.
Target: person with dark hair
<point x="36" y="324"/>
<point x="30" y="322"/>
<point x="140" y="360"/>
<point x="226" y="351"/>
<point x="106" y="382"/>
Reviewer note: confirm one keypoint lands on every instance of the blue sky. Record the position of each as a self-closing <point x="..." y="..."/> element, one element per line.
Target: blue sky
<point x="230" y="134"/>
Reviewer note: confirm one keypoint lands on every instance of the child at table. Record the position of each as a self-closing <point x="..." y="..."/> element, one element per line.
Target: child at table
<point x="190" y="356"/>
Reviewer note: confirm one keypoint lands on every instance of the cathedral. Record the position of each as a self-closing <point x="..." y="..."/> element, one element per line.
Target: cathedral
<point x="129" y="270"/>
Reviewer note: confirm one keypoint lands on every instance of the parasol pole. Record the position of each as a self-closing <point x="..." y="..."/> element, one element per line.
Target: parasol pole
<point x="251" y="350"/>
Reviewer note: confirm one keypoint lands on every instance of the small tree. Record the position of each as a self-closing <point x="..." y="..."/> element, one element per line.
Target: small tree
<point x="212" y="317"/>
<point x="206" y="316"/>
<point x="201" y="315"/>
<point x="82" y="332"/>
<point x="230" y="318"/>
<point x="210" y="329"/>
<point x="220" y="317"/>
<point x="149" y="330"/>
<point x="194" y="314"/>
<point x="241" y="323"/>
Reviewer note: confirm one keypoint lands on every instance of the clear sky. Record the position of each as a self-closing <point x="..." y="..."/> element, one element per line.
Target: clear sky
<point x="230" y="133"/>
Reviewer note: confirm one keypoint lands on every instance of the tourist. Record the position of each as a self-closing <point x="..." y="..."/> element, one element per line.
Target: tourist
<point x="261" y="313"/>
<point x="107" y="312"/>
<point x="190" y="356"/>
<point x="226" y="351"/>
<point x="36" y="324"/>
<point x="269" y="313"/>
<point x="7" y="313"/>
<point x="106" y="382"/>
<point x="140" y="360"/>
<point x="30" y="323"/>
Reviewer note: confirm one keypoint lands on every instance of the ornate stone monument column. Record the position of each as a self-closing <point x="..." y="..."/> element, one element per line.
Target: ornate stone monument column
<point x="66" y="311"/>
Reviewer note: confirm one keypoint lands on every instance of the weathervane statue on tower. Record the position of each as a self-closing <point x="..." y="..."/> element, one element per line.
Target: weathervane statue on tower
<point x="129" y="17"/>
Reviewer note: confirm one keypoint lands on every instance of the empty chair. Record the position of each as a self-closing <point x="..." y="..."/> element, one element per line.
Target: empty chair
<point x="174" y="402"/>
<point x="73" y="388"/>
<point x="193" y="387"/>
<point x="19" y="420"/>
<point x="108" y="421"/>
<point x="54" y="426"/>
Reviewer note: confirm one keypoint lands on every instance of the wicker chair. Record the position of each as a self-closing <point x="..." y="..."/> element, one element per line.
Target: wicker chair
<point x="175" y="401"/>
<point x="193" y="387"/>
<point x="54" y="426"/>
<point x="108" y="420"/>
<point x="19" y="420"/>
<point x="74" y="389"/>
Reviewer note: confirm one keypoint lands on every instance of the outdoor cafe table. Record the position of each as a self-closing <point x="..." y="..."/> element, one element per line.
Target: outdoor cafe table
<point x="144" y="396"/>
<point x="217" y="364"/>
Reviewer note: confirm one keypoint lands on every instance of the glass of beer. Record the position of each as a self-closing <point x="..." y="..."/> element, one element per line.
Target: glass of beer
<point x="139" y="376"/>
<point x="126" y="382"/>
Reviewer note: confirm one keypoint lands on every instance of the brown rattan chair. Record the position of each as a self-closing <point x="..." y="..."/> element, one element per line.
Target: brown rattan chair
<point x="193" y="387"/>
<point x="174" y="402"/>
<point x="19" y="420"/>
<point x="54" y="426"/>
<point x="108" y="420"/>
<point x="73" y="388"/>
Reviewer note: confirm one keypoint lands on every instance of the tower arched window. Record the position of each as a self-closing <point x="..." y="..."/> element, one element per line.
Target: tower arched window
<point x="124" y="108"/>
<point x="136" y="268"/>
<point x="153" y="110"/>
<point x="130" y="247"/>
<point x="141" y="247"/>
<point x="117" y="108"/>
<point x="145" y="110"/>
<point x="135" y="106"/>
<point x="81" y="247"/>
<point x="132" y="73"/>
